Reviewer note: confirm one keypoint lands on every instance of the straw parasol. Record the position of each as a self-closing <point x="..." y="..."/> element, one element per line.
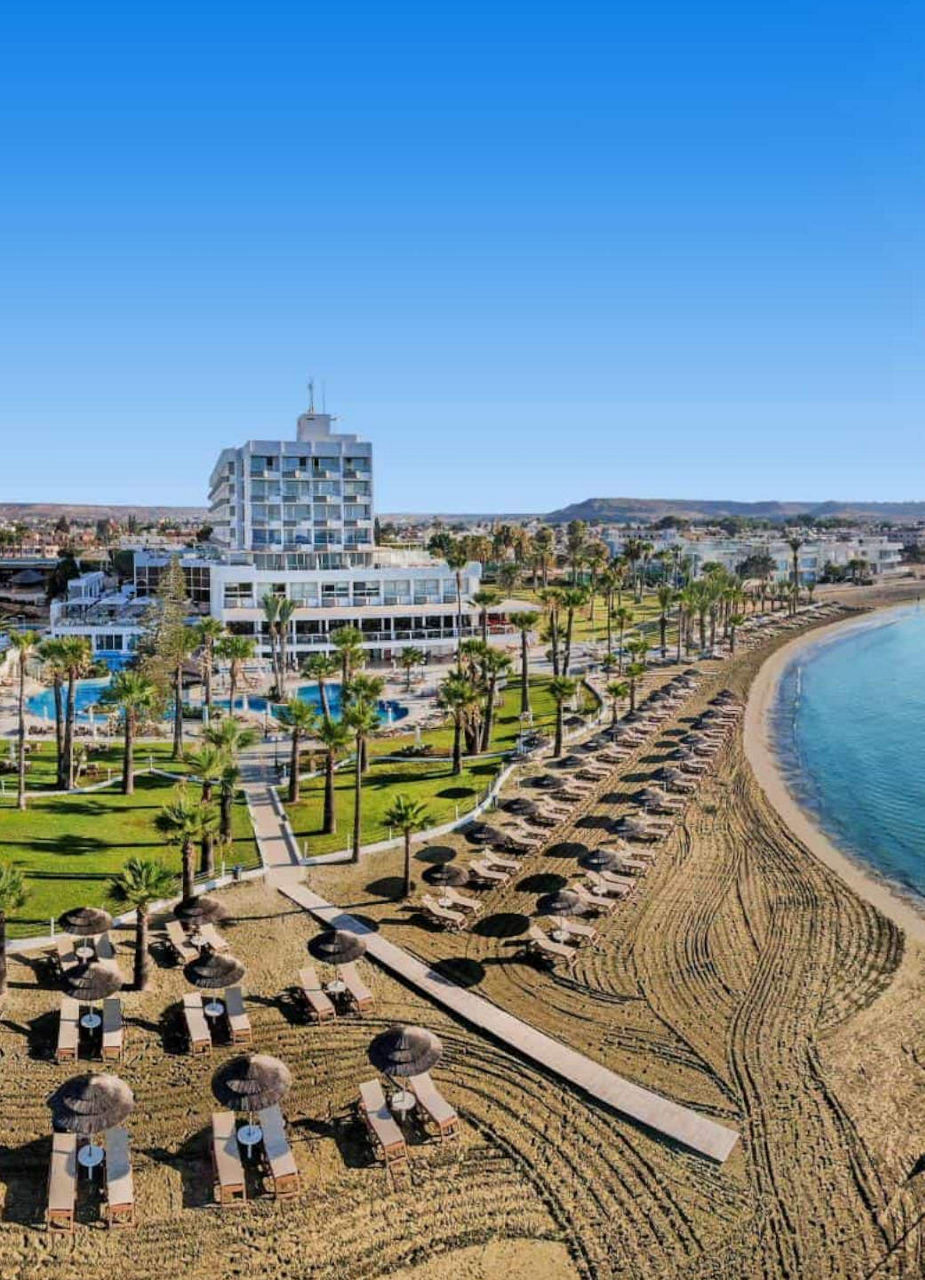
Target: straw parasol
<point x="251" y="1082"/>
<point x="87" y="1105"/>
<point x="212" y="970"/>
<point x="336" y="946"/>
<point x="638" y="828"/>
<point x="85" y="922"/>
<point x="545" y="781"/>
<point x="520" y="805"/>
<point x="564" y="902"/>
<point x="94" y="981"/>
<point x="484" y="833"/>
<point x="599" y="860"/>
<point x="405" y="1051"/>
<point x="199" y="910"/>
<point x="570" y="762"/>
<point x="447" y="873"/>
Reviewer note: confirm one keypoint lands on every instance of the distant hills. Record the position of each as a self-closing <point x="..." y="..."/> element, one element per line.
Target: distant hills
<point x="89" y="513"/>
<point x="647" y="510"/>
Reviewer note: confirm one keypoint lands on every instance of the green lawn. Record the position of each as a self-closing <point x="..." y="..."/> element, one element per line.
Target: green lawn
<point x="645" y="616"/>
<point x="40" y="766"/>
<point x="429" y="781"/>
<point x="69" y="846"/>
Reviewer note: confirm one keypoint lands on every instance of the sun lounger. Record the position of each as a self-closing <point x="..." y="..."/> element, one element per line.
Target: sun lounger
<point x="609" y="885"/>
<point x="539" y="943"/>
<point x="197" y="1030"/>
<point x="210" y="936"/>
<point x="279" y="1155"/>
<point x="113" y="1030"/>
<point x="503" y="864"/>
<point x="68" y="1031"/>
<point x="577" y="933"/>
<point x="360" y="995"/>
<point x="65" y="955"/>
<point x="178" y="940"/>
<point x="388" y="1139"/>
<point x="103" y="947"/>
<point x="239" y="1023"/>
<point x="62" y="1181"/>
<point x="120" y="1190"/>
<point x="434" y="1106"/>
<point x="482" y="871"/>
<point x="462" y="900"/>
<point x="318" y="1003"/>
<point x="226" y="1160"/>
<point x="595" y="900"/>
<point x="444" y="916"/>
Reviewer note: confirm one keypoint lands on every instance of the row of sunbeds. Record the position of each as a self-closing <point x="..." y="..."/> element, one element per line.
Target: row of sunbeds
<point x="63" y="1181"/>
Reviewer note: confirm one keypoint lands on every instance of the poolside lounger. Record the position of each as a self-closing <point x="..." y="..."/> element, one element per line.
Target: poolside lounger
<point x="503" y="864"/>
<point x="443" y="916"/>
<point x="62" y="1181"/>
<point x="113" y="1029"/>
<point x="434" y="1106"/>
<point x="461" y="900"/>
<point x="608" y="885"/>
<point x="283" y="1169"/>
<point x="577" y="933"/>
<point x="120" y="1189"/>
<point x="540" y="943"/>
<point x="210" y="936"/>
<point x="226" y="1160"/>
<point x="68" y="1031"/>
<point x="197" y="1030"/>
<point x="597" y="901"/>
<point x="388" y="1139"/>
<point x="177" y="939"/>
<point x="319" y="1005"/>
<point x="238" y="1022"/>
<point x="360" y="995"/>
<point x="482" y="871"/>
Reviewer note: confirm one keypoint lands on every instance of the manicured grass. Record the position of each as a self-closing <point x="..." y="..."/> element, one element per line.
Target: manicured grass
<point x="428" y="781"/>
<point x="69" y="846"/>
<point x="41" y="762"/>
<point x="645" y="618"/>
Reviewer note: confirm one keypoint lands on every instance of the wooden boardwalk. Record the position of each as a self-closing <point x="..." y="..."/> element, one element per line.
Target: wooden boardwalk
<point x="680" y="1124"/>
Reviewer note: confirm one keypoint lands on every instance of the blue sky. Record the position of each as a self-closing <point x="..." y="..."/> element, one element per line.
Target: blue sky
<point x="536" y="253"/>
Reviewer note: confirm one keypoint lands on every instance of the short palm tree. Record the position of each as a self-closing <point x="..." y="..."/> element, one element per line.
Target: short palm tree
<point x="77" y="659"/>
<point x="348" y="644"/>
<point x="485" y="598"/>
<point x="408" y="659"/>
<point x="665" y="597"/>
<point x="235" y="650"/>
<point x="321" y="667"/>
<point x="50" y="651"/>
<point x="24" y="642"/>
<point x="141" y="882"/>
<point x="231" y="737"/>
<point x="361" y="719"/>
<point x="617" y="690"/>
<point x="228" y="785"/>
<point x="181" y="824"/>
<point x="525" y="623"/>
<point x="561" y="688"/>
<point x="134" y="694"/>
<point x="270" y="603"/>
<point x="208" y="632"/>
<point x="573" y="598"/>
<point x="300" y="719"/>
<point x="334" y="736"/>
<point x="407" y="815"/>
<point x="735" y="621"/>
<point x="13" y="894"/>
<point x="458" y="696"/>
<point x="208" y="764"/>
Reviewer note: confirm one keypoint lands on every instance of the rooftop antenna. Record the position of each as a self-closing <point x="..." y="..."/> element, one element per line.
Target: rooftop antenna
<point x="311" y="395"/>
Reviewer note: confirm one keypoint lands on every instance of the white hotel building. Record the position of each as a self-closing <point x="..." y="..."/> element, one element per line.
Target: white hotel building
<point x="295" y="518"/>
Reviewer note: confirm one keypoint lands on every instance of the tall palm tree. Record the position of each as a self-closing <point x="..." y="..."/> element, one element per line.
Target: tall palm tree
<point x="270" y="603"/>
<point x="409" y="659"/>
<point x="141" y="882"/>
<point x="665" y="597"/>
<point x="208" y="632"/>
<point x="228" y="786"/>
<point x="235" y="650"/>
<point x="361" y="719"/>
<point x="185" y="643"/>
<point x="544" y="542"/>
<point x="524" y="622"/>
<point x="457" y="557"/>
<point x="334" y="736"/>
<point x="77" y="659"/>
<point x="735" y="621"/>
<point x="134" y="694"/>
<point x="231" y="737"/>
<point x="496" y="665"/>
<point x="617" y="690"/>
<point x="208" y="764"/>
<point x="633" y="550"/>
<point x="573" y="598"/>
<point x="794" y="543"/>
<point x="368" y="689"/>
<point x="458" y="696"/>
<point x="561" y="688"/>
<point x="552" y="599"/>
<point x="348" y="643"/>
<point x="623" y="617"/>
<point x="408" y="816"/>
<point x="50" y="651"/>
<point x="24" y="642"/>
<point x="575" y="536"/>
<point x="321" y="667"/>
<point x="13" y="894"/>
<point x="485" y="598"/>
<point x="287" y="608"/>
<point x="181" y="824"/>
<point x="300" y="719"/>
<point x="634" y="673"/>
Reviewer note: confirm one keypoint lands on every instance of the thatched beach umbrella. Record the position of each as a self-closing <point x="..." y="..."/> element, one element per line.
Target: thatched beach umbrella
<point x="85" y="922"/>
<point x="200" y="909"/>
<point x="675" y="778"/>
<point x="564" y="902"/>
<point x="520" y="805"/>
<point x="637" y="828"/>
<point x="484" y="833"/>
<point x="91" y="982"/>
<point x="447" y="873"/>
<point x="251" y="1082"/>
<point x="571" y="761"/>
<point x="545" y="781"/>
<point x="336" y="947"/>
<point x="211" y="971"/>
<point x="599" y="860"/>
<point x="87" y="1105"/>
<point x="404" y="1051"/>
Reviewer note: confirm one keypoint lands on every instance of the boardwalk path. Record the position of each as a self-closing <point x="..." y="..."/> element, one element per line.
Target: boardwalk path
<point x="680" y="1124"/>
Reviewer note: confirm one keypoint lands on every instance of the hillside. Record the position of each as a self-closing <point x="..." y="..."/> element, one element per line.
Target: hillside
<point x="644" y="510"/>
<point x="88" y="513"/>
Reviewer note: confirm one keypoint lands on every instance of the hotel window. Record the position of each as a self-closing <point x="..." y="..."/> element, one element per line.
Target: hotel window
<point x="353" y="511"/>
<point x="334" y="593"/>
<point x="291" y="465"/>
<point x="427" y="591"/>
<point x="396" y="591"/>
<point x="366" y="593"/>
<point x="327" y="537"/>
<point x="239" y="595"/>
<point x="304" y="593"/>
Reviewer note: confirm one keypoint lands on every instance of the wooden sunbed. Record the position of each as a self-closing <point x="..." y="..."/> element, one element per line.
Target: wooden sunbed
<point x="595" y="900"/>
<point x="318" y="1003"/>
<point x="239" y="1023"/>
<point x="281" y="1162"/>
<point x="68" y="1031"/>
<point x="62" y="1181"/>
<point x="503" y="864"/>
<point x="609" y="886"/>
<point x="178" y="940"/>
<point x="113" y="1029"/>
<point x="461" y="900"/>
<point x="197" y="1029"/>
<point x="210" y="936"/>
<point x="444" y="916"/>
<point x="540" y="943"/>
<point x="482" y="871"/>
<point x="120" y="1189"/>
<point x="226" y="1160"/>
<point x="577" y="933"/>
<point x="434" y="1105"/>
<point x="388" y="1139"/>
<point x="360" y="995"/>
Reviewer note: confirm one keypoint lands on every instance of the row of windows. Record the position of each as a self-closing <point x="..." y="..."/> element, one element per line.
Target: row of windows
<point x="328" y="594"/>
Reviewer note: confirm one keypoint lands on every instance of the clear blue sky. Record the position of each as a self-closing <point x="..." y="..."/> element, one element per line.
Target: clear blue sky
<point x="537" y="253"/>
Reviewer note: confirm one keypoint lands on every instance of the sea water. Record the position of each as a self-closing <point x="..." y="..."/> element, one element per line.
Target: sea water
<point x="849" y="729"/>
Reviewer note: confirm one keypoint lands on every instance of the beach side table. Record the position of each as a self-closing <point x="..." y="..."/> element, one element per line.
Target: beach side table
<point x="250" y="1135"/>
<point x="213" y="1009"/>
<point x="89" y="1157"/>
<point x="401" y="1103"/>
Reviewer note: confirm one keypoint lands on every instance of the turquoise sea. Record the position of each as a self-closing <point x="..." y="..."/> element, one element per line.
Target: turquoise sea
<point x="849" y="728"/>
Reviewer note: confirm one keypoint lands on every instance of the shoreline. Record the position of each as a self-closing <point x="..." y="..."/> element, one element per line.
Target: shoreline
<point x="764" y="763"/>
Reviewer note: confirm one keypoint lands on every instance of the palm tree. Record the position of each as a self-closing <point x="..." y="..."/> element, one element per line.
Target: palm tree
<point x="141" y="882"/>
<point x="368" y="689"/>
<point x="235" y="650"/>
<point x="552" y="599"/>
<point x="665" y="597"/>
<point x="485" y="598"/>
<point x="321" y="667"/>
<point x="185" y="642"/>
<point x="457" y="557"/>
<point x="134" y="694"/>
<point x="735" y="620"/>
<point x="617" y="690"/>
<point x="633" y="549"/>
<point x="794" y="543"/>
<point x="13" y="894"/>
<point x="77" y="659"/>
<point x="231" y="737"/>
<point x="181" y="823"/>
<point x="300" y="719"/>
<point x="623" y="617"/>
<point x="574" y="544"/>
<point x="228" y="785"/>
<point x="496" y="665"/>
<point x="409" y="659"/>
<point x="361" y="719"/>
<point x="334" y="736"/>
<point x="208" y="632"/>
<point x="561" y="688"/>
<point x="348" y="642"/>
<point x="208" y="764"/>
<point x="524" y="622"/>
<point x="544" y="542"/>
<point x="270" y="603"/>
<point x="287" y="608"/>
<point x="24" y="643"/>
<point x="572" y="598"/>
<point x="634" y="672"/>
<point x="407" y="815"/>
<point x="459" y="696"/>
<point x="50" y="652"/>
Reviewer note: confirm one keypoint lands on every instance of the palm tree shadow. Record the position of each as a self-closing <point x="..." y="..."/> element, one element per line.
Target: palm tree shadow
<point x="192" y="1160"/>
<point x="24" y="1173"/>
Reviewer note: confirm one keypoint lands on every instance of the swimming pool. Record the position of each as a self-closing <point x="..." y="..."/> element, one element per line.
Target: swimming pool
<point x="89" y="692"/>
